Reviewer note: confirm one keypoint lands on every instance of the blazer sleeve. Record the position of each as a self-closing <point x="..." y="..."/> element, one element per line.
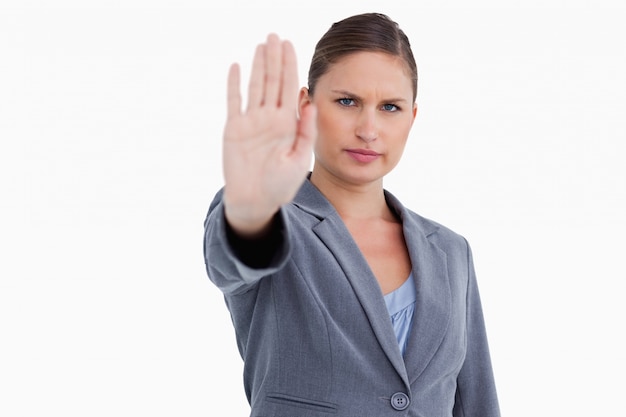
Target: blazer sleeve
<point x="476" y="392"/>
<point x="224" y="267"/>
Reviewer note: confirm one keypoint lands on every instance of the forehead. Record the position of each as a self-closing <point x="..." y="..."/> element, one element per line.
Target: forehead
<point x="367" y="70"/>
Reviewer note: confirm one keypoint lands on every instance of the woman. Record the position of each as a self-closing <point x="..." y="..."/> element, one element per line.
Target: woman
<point x="343" y="301"/>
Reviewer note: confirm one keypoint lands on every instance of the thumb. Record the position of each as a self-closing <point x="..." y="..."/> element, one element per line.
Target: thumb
<point x="306" y="133"/>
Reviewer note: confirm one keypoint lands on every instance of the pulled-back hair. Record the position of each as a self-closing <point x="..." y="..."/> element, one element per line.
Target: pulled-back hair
<point x="368" y="32"/>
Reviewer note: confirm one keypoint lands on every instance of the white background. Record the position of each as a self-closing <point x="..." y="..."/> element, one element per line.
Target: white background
<point x="111" y="116"/>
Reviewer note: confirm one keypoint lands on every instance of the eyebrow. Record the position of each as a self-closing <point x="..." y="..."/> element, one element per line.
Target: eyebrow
<point x="352" y="95"/>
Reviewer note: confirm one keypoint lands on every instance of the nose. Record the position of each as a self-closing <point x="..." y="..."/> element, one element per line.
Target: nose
<point x="366" y="128"/>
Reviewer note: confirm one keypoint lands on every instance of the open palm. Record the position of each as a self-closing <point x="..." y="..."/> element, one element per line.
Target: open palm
<point x="267" y="148"/>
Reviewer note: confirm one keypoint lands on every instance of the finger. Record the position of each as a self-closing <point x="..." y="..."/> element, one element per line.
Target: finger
<point x="233" y="95"/>
<point x="273" y="69"/>
<point x="257" y="77"/>
<point x="307" y="132"/>
<point x="289" y="88"/>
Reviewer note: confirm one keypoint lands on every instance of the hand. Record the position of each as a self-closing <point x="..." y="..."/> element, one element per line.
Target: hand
<point x="267" y="149"/>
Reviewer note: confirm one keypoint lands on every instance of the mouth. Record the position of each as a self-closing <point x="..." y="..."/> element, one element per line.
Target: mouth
<point x="363" y="155"/>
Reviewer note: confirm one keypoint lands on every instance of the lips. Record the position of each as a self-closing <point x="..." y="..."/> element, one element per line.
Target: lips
<point x="363" y="155"/>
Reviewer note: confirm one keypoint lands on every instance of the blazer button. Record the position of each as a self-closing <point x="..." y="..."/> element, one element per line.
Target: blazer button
<point x="400" y="401"/>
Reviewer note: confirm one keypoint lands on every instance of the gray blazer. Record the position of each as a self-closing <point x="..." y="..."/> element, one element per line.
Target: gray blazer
<point x="315" y="334"/>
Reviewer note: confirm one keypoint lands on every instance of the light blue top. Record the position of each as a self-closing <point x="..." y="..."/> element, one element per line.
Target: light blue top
<point x="401" y="305"/>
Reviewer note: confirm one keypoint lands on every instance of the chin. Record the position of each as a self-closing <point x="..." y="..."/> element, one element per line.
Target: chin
<point x="363" y="175"/>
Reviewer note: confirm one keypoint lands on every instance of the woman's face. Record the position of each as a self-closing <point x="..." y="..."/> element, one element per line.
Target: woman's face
<point x="365" y="112"/>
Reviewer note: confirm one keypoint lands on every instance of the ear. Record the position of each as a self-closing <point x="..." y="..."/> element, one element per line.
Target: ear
<point x="303" y="99"/>
<point x="414" y="113"/>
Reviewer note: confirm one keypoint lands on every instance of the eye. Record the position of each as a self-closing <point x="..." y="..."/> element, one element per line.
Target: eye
<point x="390" y="107"/>
<point x="345" y="101"/>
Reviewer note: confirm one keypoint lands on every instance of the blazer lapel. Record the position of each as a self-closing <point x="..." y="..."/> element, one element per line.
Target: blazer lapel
<point x="337" y="238"/>
<point x="429" y="264"/>
<point x="333" y="233"/>
<point x="433" y="305"/>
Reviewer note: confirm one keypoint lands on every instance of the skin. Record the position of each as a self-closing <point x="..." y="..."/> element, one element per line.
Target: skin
<point x="362" y="104"/>
<point x="266" y="148"/>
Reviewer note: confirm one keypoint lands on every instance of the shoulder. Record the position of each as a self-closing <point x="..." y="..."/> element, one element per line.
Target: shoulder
<point x="433" y="230"/>
<point x="437" y="231"/>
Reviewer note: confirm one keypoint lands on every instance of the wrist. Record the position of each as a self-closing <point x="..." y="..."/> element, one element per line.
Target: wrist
<point x="249" y="221"/>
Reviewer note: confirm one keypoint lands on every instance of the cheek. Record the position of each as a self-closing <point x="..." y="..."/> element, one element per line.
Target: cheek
<point x="329" y="122"/>
<point x="396" y="143"/>
<point x="398" y="132"/>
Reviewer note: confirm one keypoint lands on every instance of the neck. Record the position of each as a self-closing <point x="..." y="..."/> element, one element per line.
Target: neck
<point x="352" y="201"/>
